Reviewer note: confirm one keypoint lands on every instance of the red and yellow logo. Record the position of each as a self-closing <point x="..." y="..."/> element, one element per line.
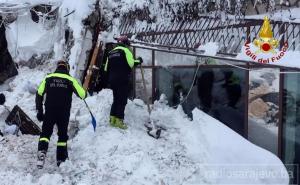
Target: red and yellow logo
<point x="265" y="46"/>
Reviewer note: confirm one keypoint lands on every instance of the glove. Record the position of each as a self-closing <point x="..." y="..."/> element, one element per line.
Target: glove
<point x="40" y="116"/>
<point x="140" y="59"/>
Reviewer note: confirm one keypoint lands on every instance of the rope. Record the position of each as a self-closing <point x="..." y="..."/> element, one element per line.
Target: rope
<point x="190" y="89"/>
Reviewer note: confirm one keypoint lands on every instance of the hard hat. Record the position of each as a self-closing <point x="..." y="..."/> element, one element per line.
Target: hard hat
<point x="62" y="63"/>
<point x="124" y="40"/>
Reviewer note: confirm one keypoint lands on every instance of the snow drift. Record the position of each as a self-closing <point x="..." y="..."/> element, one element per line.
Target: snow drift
<point x="202" y="151"/>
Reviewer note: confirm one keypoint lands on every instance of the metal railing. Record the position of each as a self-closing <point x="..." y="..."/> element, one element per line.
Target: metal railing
<point x="230" y="35"/>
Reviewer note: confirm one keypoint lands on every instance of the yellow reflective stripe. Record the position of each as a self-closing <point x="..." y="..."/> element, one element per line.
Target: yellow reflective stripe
<point x="41" y="88"/>
<point x="44" y="139"/>
<point x="61" y="143"/>
<point x="128" y="54"/>
<point x="129" y="57"/>
<point x="60" y="75"/>
<point x="79" y="89"/>
<point x="137" y="61"/>
<point x="106" y="64"/>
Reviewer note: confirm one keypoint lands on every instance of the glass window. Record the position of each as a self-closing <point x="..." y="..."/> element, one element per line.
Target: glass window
<point x="146" y="54"/>
<point x="263" y="108"/>
<point x="216" y="91"/>
<point x="166" y="59"/>
<point x="291" y="122"/>
<point x="139" y="85"/>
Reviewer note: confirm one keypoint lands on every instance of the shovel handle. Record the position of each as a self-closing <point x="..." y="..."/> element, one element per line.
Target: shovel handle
<point x="148" y="104"/>
<point x="145" y="89"/>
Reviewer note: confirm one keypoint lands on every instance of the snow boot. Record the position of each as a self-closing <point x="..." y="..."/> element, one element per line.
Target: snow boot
<point x="41" y="159"/>
<point x="61" y="154"/>
<point x="112" y="121"/>
<point x="120" y="124"/>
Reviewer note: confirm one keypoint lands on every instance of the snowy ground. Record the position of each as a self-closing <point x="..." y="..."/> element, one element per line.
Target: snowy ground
<point x="202" y="151"/>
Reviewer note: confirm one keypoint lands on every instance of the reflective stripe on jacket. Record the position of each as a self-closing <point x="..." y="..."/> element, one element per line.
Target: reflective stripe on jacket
<point x="58" y="88"/>
<point x="128" y="54"/>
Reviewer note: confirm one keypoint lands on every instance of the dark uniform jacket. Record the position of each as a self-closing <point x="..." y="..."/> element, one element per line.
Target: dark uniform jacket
<point x="119" y="63"/>
<point x="58" y="87"/>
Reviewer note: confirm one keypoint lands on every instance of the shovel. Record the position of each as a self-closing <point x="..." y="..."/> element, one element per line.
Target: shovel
<point x="153" y="131"/>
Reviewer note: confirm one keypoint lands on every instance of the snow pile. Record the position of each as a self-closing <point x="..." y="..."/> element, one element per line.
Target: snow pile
<point x="202" y="151"/>
<point x="28" y="39"/>
<point x="82" y="9"/>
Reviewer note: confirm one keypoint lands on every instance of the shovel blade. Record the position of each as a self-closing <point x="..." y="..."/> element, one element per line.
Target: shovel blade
<point x="94" y="123"/>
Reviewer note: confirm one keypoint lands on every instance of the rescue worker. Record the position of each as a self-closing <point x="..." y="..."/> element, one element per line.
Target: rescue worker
<point x="119" y="65"/>
<point x="58" y="87"/>
<point x="205" y="87"/>
<point x="233" y="88"/>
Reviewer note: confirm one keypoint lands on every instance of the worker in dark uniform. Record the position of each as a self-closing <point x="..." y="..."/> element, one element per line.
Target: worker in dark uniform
<point x="58" y="87"/>
<point x="233" y="88"/>
<point x="205" y="85"/>
<point x="119" y="65"/>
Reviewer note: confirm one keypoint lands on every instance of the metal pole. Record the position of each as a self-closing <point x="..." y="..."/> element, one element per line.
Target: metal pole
<point x="153" y="76"/>
<point x="280" y="112"/>
<point x="246" y="120"/>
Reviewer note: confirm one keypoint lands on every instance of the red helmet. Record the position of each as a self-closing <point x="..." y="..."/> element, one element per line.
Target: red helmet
<point x="124" y="40"/>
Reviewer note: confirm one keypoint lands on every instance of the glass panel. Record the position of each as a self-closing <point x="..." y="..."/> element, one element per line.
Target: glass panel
<point x="140" y="93"/>
<point x="228" y="62"/>
<point x="218" y="92"/>
<point x="146" y="54"/>
<point x="263" y="108"/>
<point x="291" y="121"/>
<point x="166" y="59"/>
<point x="172" y="59"/>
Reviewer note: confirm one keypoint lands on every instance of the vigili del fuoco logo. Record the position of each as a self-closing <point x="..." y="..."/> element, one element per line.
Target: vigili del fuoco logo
<point x="264" y="50"/>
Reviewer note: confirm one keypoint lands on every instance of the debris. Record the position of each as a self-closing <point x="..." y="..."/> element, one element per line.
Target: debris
<point x="23" y="122"/>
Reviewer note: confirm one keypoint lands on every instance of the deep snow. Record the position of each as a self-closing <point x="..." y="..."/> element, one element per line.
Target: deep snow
<point x="202" y="151"/>
<point x="27" y="38"/>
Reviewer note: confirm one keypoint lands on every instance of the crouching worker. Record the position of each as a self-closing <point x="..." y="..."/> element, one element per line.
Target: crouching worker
<point x="119" y="64"/>
<point x="58" y="87"/>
